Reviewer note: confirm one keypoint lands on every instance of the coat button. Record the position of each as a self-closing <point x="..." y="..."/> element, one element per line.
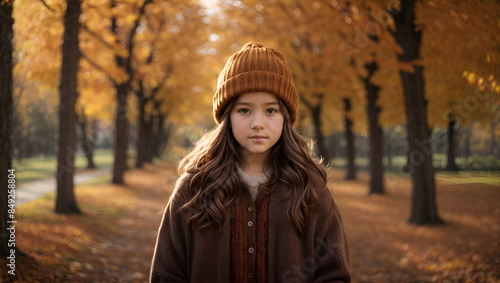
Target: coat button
<point x="250" y="274"/>
<point x="250" y="208"/>
<point x="250" y="223"/>
<point x="251" y="250"/>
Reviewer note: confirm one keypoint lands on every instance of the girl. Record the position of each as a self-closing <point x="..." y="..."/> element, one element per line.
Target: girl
<point x="251" y="204"/>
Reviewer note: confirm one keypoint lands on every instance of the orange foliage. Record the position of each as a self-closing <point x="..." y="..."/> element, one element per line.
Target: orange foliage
<point x="181" y="45"/>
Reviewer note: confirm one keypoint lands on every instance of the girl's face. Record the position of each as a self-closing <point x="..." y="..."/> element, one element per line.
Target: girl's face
<point x="257" y="122"/>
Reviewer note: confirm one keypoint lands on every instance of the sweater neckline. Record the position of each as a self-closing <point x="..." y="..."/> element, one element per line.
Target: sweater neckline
<point x="253" y="181"/>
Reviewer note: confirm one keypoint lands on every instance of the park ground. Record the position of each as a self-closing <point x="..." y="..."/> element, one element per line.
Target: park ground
<point x="113" y="240"/>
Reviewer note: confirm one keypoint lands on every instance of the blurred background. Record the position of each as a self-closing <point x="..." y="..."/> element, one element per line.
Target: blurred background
<point x="144" y="76"/>
<point x="175" y="50"/>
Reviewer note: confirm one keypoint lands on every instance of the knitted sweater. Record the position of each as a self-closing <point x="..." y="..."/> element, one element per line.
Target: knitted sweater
<point x="249" y="242"/>
<point x="185" y="254"/>
<point x="252" y="182"/>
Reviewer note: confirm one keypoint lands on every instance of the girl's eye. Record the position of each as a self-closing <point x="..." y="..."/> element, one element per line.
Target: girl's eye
<point x="244" y="111"/>
<point x="271" y="111"/>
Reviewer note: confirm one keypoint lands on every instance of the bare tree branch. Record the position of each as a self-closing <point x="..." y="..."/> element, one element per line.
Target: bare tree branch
<point x="47" y="6"/>
<point x="95" y="65"/>
<point x="131" y="36"/>
<point x="306" y="103"/>
<point x="100" y="39"/>
<point x="156" y="40"/>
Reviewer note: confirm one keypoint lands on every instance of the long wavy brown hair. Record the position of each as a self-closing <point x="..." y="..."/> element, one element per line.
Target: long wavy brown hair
<point x="214" y="180"/>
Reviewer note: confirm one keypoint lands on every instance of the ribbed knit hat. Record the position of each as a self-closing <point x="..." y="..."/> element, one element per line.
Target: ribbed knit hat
<point x="256" y="68"/>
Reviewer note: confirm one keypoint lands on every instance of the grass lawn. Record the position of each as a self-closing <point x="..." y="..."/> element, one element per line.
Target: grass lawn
<point x="478" y="170"/>
<point x="35" y="168"/>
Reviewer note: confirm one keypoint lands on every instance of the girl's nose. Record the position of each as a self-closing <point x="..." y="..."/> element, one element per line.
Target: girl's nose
<point x="258" y="121"/>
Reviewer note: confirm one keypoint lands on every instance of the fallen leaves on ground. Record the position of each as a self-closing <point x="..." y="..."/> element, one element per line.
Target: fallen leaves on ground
<point x="113" y="241"/>
<point x="385" y="248"/>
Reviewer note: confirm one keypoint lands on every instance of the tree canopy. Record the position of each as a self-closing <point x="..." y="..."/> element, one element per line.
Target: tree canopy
<point x="180" y="46"/>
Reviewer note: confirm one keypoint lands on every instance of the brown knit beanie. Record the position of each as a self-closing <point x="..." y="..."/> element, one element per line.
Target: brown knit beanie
<point x="256" y="68"/>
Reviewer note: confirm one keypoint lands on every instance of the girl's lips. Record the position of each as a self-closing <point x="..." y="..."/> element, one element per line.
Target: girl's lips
<point x="257" y="138"/>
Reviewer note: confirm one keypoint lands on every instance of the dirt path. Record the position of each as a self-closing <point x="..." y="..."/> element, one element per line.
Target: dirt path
<point x="127" y="253"/>
<point x="114" y="240"/>
<point x="33" y="190"/>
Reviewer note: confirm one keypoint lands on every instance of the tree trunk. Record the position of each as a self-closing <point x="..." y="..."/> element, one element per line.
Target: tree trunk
<point x="141" y="137"/>
<point x="150" y="139"/>
<point x="6" y="100"/>
<point x="86" y="142"/>
<point x="26" y="146"/>
<point x="141" y="143"/>
<point x="349" y="138"/>
<point x="316" y="110"/>
<point x="451" y="164"/>
<point x="468" y="134"/>
<point x="65" y="200"/>
<point x="167" y="133"/>
<point x="120" y="144"/>
<point x="493" y="143"/>
<point x="388" y="148"/>
<point x="16" y="131"/>
<point x="154" y="130"/>
<point x="376" y="150"/>
<point x="163" y="135"/>
<point x="331" y="142"/>
<point x="424" y="208"/>
<point x="320" y="138"/>
<point x="122" y="89"/>
<point x="160" y="135"/>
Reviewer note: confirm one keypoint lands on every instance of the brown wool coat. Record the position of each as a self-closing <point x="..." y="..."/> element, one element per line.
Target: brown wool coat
<point x="184" y="254"/>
